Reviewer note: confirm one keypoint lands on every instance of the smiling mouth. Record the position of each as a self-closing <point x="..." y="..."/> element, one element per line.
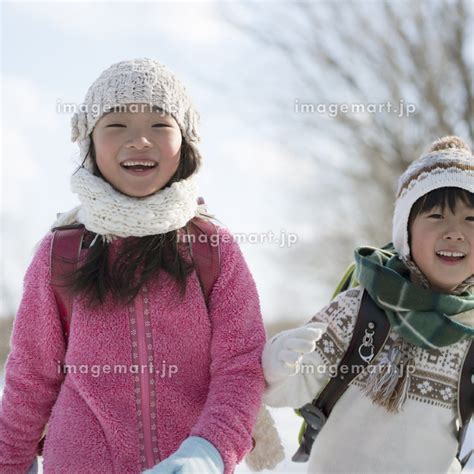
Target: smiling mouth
<point x="139" y="168"/>
<point x="450" y="257"/>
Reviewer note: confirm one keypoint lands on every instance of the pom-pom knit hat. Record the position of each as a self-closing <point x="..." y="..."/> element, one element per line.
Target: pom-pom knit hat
<point x="449" y="163"/>
<point x="141" y="81"/>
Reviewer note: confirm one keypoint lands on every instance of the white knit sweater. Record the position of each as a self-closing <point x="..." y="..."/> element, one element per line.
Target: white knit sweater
<point x="361" y="437"/>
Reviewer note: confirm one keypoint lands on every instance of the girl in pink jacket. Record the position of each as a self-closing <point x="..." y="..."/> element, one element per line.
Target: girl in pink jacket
<point x="152" y="377"/>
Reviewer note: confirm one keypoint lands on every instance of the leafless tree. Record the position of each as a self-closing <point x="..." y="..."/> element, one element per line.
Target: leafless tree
<point x="401" y="52"/>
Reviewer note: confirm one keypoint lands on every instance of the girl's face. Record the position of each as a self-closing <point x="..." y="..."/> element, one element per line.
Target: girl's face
<point x="137" y="136"/>
<point x="442" y="245"/>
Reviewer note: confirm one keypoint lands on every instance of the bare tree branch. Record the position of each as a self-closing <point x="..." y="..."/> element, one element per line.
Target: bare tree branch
<point x="369" y="53"/>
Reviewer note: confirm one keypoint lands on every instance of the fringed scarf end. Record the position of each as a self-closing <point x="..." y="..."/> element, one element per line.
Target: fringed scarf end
<point x="389" y="381"/>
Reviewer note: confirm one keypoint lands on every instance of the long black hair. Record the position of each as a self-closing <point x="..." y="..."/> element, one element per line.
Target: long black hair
<point x="139" y="258"/>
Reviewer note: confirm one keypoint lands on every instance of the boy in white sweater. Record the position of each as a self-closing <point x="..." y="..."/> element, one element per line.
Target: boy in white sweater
<point x="406" y="422"/>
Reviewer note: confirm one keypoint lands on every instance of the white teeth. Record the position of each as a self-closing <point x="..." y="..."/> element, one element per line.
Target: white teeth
<point x="143" y="163"/>
<point x="445" y="253"/>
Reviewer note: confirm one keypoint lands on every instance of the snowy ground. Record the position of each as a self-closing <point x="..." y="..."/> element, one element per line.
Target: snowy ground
<point x="289" y="425"/>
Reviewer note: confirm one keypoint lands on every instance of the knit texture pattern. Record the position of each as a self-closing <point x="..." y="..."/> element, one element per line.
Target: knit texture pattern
<point x="268" y="451"/>
<point x="96" y="423"/>
<point x="419" y="439"/>
<point x="439" y="169"/>
<point x="137" y="81"/>
<point x="112" y="214"/>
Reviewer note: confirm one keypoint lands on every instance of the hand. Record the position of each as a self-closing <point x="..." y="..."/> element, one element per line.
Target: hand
<point x="195" y="456"/>
<point x="284" y="353"/>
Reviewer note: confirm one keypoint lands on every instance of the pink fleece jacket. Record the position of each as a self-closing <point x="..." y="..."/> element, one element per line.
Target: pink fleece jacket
<point x="109" y="413"/>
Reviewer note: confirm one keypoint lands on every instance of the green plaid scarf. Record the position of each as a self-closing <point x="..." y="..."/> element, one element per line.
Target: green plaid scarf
<point x="421" y="316"/>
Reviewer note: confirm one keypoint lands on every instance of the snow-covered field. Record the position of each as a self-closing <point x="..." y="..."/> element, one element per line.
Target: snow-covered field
<point x="288" y="425"/>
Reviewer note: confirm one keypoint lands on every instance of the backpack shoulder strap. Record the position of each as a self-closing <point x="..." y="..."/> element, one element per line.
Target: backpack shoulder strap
<point x="347" y="281"/>
<point x="466" y="400"/>
<point x="370" y="333"/>
<point x="369" y="336"/>
<point x="205" y="252"/>
<point x="64" y="255"/>
<point x="67" y="243"/>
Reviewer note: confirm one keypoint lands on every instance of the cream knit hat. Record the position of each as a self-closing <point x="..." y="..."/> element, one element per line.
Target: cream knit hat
<point x="449" y="163"/>
<point x="141" y="81"/>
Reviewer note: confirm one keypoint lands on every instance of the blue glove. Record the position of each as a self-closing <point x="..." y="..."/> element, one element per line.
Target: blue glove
<point x="34" y="467"/>
<point x="195" y="456"/>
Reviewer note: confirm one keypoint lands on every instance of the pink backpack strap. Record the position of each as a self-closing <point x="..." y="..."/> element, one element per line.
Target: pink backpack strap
<point x="67" y="243"/>
<point x="64" y="255"/>
<point x="205" y="252"/>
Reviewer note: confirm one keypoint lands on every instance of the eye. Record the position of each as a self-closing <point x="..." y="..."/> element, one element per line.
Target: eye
<point x="435" y="216"/>
<point x="115" y="125"/>
<point x="470" y="218"/>
<point x="160" y="125"/>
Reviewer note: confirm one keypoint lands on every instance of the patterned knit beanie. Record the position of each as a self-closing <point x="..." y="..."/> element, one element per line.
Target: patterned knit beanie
<point x="141" y="81"/>
<point x="448" y="163"/>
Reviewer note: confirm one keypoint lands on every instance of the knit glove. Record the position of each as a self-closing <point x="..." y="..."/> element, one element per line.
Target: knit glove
<point x="34" y="467"/>
<point x="284" y="353"/>
<point x="195" y="456"/>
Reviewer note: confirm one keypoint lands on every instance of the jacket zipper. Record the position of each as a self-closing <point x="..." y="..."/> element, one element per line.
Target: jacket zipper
<point x="144" y="381"/>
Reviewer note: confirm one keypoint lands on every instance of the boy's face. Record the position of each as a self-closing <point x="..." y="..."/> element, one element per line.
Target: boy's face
<point x="442" y="245"/>
<point x="134" y="135"/>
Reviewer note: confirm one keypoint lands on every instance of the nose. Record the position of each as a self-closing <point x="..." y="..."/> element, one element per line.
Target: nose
<point x="139" y="141"/>
<point x="454" y="235"/>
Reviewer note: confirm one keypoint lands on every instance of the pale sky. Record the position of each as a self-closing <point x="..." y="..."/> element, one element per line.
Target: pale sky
<point x="52" y="52"/>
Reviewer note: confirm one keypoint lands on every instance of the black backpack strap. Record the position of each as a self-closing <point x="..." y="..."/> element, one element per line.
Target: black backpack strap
<point x="370" y="333"/>
<point x="465" y="401"/>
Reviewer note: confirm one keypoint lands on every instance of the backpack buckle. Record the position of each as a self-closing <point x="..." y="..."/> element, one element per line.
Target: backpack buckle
<point x="313" y="416"/>
<point x="315" y="420"/>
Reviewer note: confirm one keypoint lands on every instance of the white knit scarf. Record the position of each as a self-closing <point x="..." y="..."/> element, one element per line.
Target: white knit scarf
<point x="112" y="214"/>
